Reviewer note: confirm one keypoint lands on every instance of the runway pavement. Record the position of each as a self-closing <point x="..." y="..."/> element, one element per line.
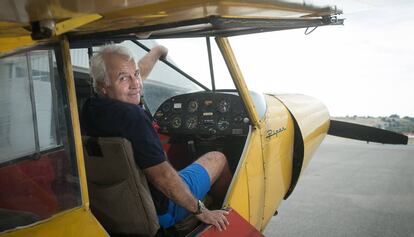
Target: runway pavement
<point x="351" y="189"/>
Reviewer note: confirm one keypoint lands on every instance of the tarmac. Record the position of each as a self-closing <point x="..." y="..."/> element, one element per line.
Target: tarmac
<point x="351" y="188"/>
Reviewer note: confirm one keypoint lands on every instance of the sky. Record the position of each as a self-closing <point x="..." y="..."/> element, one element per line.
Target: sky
<point x="364" y="68"/>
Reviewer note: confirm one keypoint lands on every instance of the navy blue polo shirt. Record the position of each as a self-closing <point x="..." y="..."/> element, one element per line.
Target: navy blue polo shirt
<point x="103" y="117"/>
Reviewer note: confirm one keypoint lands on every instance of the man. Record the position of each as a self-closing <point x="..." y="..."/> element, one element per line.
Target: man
<point x="116" y="112"/>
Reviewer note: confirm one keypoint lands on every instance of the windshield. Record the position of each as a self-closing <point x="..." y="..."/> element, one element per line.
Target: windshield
<point x="191" y="56"/>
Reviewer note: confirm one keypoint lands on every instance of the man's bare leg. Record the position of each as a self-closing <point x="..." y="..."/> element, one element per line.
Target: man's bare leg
<point x="220" y="176"/>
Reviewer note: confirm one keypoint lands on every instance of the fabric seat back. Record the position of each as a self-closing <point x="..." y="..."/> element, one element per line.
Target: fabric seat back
<point x="118" y="190"/>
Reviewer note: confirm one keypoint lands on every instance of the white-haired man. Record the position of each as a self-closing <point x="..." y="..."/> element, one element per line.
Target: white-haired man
<point x="117" y="112"/>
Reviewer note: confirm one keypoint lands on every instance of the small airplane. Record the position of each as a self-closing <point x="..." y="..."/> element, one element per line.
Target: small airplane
<point x="46" y="164"/>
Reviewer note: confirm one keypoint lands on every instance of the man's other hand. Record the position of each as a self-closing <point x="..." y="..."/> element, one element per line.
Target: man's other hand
<point x="218" y="218"/>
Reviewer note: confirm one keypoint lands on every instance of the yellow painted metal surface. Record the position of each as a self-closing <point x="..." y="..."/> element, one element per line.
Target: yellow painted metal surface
<point x="313" y="119"/>
<point x="8" y="44"/>
<point x="20" y="37"/>
<point x="160" y="12"/>
<point x="76" y="222"/>
<point x="265" y="171"/>
<point x="73" y="23"/>
<point x="238" y="79"/>
<point x="24" y="10"/>
<point x="266" y="168"/>
<point x="77" y="18"/>
<point x="264" y="175"/>
<point x="246" y="194"/>
<point x="255" y="181"/>
<point x="277" y="145"/>
<point x="70" y="83"/>
<point x="251" y="170"/>
<point x="12" y="29"/>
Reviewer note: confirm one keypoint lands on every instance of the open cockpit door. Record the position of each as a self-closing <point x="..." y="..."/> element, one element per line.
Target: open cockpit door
<point x="41" y="171"/>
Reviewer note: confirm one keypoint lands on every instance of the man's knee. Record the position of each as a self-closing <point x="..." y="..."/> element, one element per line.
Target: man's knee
<point x="214" y="162"/>
<point x="218" y="157"/>
<point x="215" y="157"/>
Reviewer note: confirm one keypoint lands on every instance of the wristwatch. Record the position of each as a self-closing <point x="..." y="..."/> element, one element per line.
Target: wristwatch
<point x="200" y="208"/>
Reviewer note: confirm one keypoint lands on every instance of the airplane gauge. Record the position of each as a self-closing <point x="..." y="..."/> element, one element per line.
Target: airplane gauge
<point x="223" y="106"/>
<point x="176" y="122"/>
<point x="191" y="122"/>
<point x="222" y="124"/>
<point x="192" y="106"/>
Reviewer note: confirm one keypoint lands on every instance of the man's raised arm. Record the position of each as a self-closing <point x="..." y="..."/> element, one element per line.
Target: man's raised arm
<point x="146" y="64"/>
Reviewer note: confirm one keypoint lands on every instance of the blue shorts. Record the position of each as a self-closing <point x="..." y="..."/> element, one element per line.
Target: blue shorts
<point x="198" y="181"/>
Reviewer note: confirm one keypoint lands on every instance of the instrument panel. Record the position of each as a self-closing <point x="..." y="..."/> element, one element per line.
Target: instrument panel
<point x="203" y="113"/>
